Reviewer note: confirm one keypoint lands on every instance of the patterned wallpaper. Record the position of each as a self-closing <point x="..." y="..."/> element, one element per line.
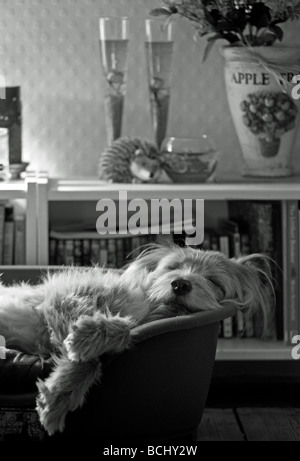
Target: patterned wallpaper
<point x="50" y="48"/>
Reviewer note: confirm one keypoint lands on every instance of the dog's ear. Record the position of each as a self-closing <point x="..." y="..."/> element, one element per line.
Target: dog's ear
<point x="251" y="282"/>
<point x="261" y="264"/>
<point x="148" y="259"/>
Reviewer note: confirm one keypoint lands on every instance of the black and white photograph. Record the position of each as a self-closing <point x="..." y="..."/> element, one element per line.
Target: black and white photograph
<point x="149" y="225"/>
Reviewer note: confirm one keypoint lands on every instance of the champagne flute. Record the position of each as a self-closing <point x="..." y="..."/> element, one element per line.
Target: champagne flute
<point x="114" y="54"/>
<point x="159" y="54"/>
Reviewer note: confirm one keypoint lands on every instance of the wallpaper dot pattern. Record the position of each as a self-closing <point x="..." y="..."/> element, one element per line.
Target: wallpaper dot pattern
<point x="51" y="49"/>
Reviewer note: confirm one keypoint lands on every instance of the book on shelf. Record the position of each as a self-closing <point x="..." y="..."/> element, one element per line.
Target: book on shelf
<point x="232" y="230"/>
<point x="120" y="253"/>
<point x="111" y="252"/>
<point x="19" y="240"/>
<point x="8" y="242"/>
<point x="77" y="252"/>
<point x="86" y="252"/>
<point x="103" y="253"/>
<point x="2" y="223"/>
<point x="262" y="221"/>
<point x="84" y="248"/>
<point x="253" y="227"/>
<point x="299" y="265"/>
<point x="214" y="241"/>
<point x="227" y="324"/>
<point x="95" y="252"/>
<point x="12" y="235"/>
<point x="248" y="331"/>
<point x="69" y="252"/>
<point x="292" y="317"/>
<point x="59" y="256"/>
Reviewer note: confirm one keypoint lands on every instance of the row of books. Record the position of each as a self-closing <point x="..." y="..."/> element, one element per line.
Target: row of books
<point x="12" y="235"/>
<point x="271" y="228"/>
<point x="291" y="268"/>
<point x="235" y="240"/>
<point x="89" y="248"/>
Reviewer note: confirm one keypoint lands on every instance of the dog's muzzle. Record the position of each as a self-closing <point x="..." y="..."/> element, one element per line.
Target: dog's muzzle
<point x="181" y="286"/>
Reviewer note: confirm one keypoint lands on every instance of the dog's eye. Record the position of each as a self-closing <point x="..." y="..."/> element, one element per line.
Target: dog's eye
<point x="216" y="284"/>
<point x="172" y="267"/>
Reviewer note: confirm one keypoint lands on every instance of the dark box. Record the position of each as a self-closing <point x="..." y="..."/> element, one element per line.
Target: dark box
<point x="10" y="117"/>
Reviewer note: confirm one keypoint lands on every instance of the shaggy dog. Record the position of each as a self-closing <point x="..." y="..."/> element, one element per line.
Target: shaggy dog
<point x="77" y="314"/>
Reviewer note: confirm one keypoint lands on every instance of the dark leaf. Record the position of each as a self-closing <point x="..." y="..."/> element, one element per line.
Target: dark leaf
<point x="260" y="15"/>
<point x="279" y="20"/>
<point x="231" y="37"/>
<point x="277" y="31"/>
<point x="238" y="19"/>
<point x="227" y="26"/>
<point x="213" y="17"/>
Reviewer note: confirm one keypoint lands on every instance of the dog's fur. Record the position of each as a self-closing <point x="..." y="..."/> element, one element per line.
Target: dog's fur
<point x="78" y="314"/>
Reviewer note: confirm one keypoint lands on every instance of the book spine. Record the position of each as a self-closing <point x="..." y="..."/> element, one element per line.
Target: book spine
<point x="277" y="269"/>
<point x="19" y="254"/>
<point x="248" y="322"/>
<point x="236" y="245"/>
<point x="285" y="271"/>
<point x="214" y="243"/>
<point x="2" y="220"/>
<point x="135" y="245"/>
<point x="78" y="257"/>
<point x="245" y="244"/>
<point x="206" y="244"/>
<point x="127" y="249"/>
<point x="292" y="268"/>
<point x="53" y="252"/>
<point x="86" y="252"/>
<point x="226" y="323"/>
<point x="299" y="263"/>
<point x="235" y="252"/>
<point x="120" y="252"/>
<point x="60" y="252"/>
<point x="69" y="252"/>
<point x="103" y="253"/>
<point x="8" y="253"/>
<point x="262" y="241"/>
<point x="112" y="254"/>
<point x="95" y="251"/>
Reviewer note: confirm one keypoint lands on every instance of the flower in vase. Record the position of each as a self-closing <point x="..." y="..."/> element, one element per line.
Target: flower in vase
<point x="239" y="22"/>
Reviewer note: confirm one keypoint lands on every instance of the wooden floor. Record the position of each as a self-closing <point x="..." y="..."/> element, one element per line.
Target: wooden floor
<point x="250" y="424"/>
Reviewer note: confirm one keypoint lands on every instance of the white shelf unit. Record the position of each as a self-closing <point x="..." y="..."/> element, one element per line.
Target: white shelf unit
<point x="91" y="189"/>
<point x="25" y="189"/>
<point x="252" y="349"/>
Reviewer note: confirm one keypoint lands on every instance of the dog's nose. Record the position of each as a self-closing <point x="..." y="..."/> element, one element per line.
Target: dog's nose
<point x="181" y="286"/>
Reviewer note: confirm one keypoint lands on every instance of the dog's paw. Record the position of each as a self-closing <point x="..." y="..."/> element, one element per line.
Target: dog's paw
<point x="90" y="337"/>
<point x="51" y="408"/>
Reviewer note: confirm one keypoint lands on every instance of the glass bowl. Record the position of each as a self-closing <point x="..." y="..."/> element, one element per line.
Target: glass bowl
<point x="189" y="160"/>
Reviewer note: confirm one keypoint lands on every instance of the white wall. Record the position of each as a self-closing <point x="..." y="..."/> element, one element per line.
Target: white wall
<point x="50" y="48"/>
